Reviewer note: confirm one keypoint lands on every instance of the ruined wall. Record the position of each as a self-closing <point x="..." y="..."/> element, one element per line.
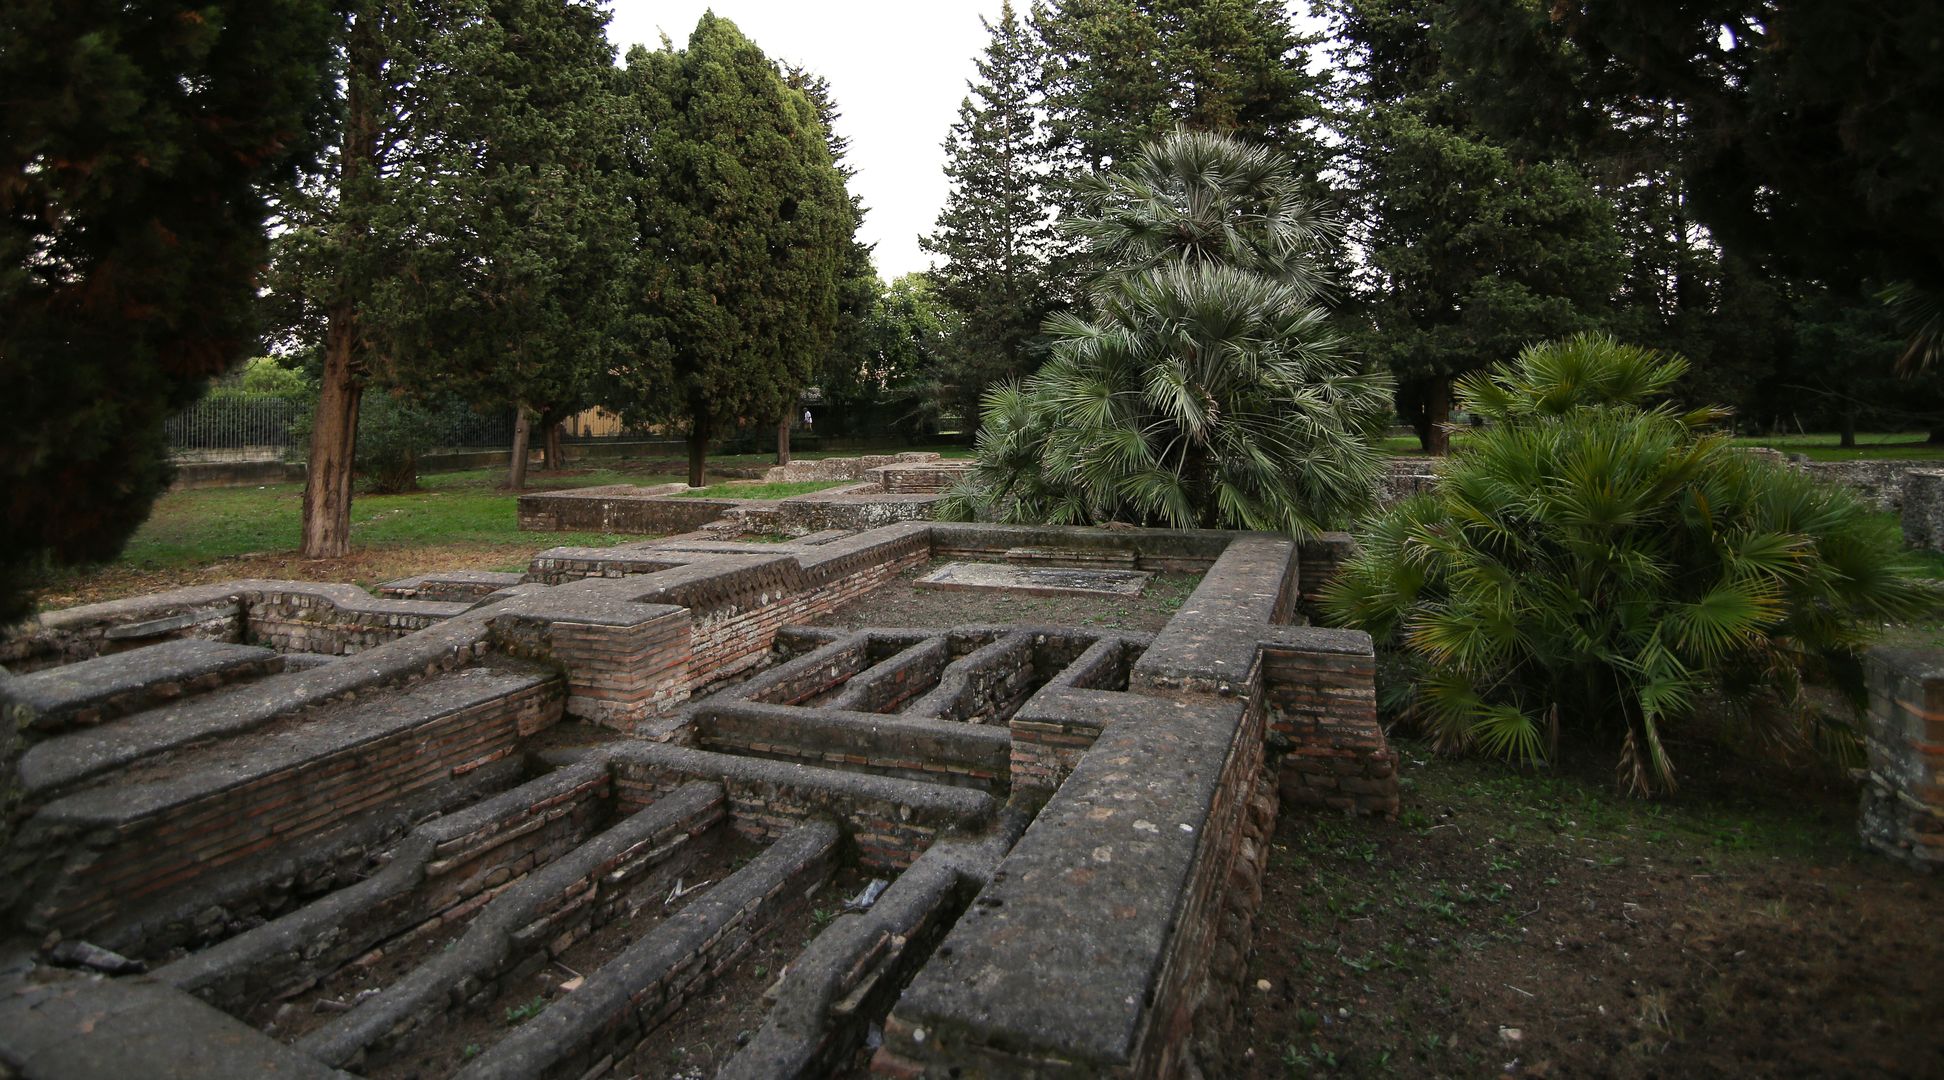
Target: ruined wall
<point x="1902" y="812"/>
<point x="1923" y="509"/>
<point x="616" y="508"/>
<point x="1323" y="727"/>
<point x="843" y="468"/>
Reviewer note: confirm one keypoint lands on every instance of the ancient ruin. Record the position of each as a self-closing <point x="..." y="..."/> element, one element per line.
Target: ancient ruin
<point x="366" y="833"/>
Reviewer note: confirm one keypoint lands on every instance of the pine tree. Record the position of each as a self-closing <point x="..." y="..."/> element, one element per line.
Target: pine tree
<point x="1472" y="250"/>
<point x="748" y="225"/>
<point x="136" y="145"/>
<point x="995" y="233"/>
<point x="1121" y="73"/>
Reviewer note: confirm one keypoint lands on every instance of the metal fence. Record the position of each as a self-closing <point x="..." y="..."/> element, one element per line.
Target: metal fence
<point x="234" y="422"/>
<point x="228" y="424"/>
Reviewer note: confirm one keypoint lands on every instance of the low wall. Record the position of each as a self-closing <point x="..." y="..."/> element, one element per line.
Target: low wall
<point x="891" y="821"/>
<point x="1159" y="806"/>
<point x="1323" y="728"/>
<point x="289" y="616"/>
<point x="616" y="508"/>
<point x="1902" y="812"/>
<point x="435" y="879"/>
<point x="85" y="856"/>
<point x="842" y="468"/>
<point x="930" y="479"/>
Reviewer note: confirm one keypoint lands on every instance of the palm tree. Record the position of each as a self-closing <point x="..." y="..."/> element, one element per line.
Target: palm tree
<point x="1205" y="388"/>
<point x="1587" y="563"/>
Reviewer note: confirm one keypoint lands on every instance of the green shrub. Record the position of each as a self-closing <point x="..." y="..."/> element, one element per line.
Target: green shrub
<point x="1586" y="566"/>
<point x="263" y="375"/>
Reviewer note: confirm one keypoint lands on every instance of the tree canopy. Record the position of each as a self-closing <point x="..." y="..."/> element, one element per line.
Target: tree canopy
<point x="1205" y="389"/>
<point x="748" y="231"/>
<point x="136" y="147"/>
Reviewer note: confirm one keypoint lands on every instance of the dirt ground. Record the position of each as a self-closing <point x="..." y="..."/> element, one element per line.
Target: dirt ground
<point x="1509" y="925"/>
<point x="698" y="1040"/>
<point x="901" y="603"/>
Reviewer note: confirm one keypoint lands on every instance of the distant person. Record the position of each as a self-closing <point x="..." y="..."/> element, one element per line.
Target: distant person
<point x="806" y="420"/>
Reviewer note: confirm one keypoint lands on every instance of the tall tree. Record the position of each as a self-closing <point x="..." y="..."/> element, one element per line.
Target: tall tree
<point x="136" y="146"/>
<point x="995" y="233"/>
<point x="1120" y="73"/>
<point x="749" y="223"/>
<point x="857" y="281"/>
<point x="1810" y="144"/>
<point x="1207" y="389"/>
<point x="331" y="254"/>
<point x="1473" y="250"/>
<point x="1811" y="129"/>
<point x="511" y="288"/>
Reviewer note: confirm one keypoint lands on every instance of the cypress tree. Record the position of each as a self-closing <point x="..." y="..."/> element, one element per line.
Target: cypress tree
<point x="748" y="224"/>
<point x="511" y="291"/>
<point x="136" y="147"/>
<point x="857" y="280"/>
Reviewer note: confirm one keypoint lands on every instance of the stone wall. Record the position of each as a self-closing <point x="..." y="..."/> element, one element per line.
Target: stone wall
<point x="1902" y="813"/>
<point x="1923" y="509"/>
<point x="917" y="479"/>
<point x="86" y="855"/>
<point x="843" y="468"/>
<point x="617" y="508"/>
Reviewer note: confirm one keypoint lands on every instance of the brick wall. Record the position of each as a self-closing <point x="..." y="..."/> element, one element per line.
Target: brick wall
<point x="890" y="821"/>
<point x="101" y="851"/>
<point x="618" y="508"/>
<point x="1322" y="700"/>
<point x="434" y="880"/>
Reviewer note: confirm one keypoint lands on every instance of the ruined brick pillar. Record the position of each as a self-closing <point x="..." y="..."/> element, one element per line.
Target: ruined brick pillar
<point x="1903" y="794"/>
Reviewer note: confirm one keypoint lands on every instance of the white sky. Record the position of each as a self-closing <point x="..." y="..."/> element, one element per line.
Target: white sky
<point x="898" y="70"/>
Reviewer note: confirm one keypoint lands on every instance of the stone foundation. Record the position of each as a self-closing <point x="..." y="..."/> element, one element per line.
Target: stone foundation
<point x="1070" y="825"/>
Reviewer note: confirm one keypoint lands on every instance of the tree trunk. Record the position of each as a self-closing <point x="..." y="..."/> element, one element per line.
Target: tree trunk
<point x="334" y="441"/>
<point x="550" y="450"/>
<point x="334" y="428"/>
<point x="1432" y="435"/>
<point x="698" y="446"/>
<point x="1848" y="440"/>
<point x="783" y="438"/>
<point x="522" y="437"/>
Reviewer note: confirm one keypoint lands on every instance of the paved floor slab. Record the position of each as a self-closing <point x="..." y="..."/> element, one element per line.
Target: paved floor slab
<point x="1037" y="580"/>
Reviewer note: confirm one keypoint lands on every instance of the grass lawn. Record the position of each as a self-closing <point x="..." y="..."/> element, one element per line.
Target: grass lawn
<point x="1870" y="446"/>
<point x="458" y="521"/>
<point x="748" y="490"/>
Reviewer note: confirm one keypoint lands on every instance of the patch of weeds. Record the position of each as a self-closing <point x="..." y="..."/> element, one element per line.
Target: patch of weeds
<point x="516" y="1014"/>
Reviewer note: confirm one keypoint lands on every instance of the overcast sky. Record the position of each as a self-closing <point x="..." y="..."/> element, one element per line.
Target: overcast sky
<point x="898" y="69"/>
